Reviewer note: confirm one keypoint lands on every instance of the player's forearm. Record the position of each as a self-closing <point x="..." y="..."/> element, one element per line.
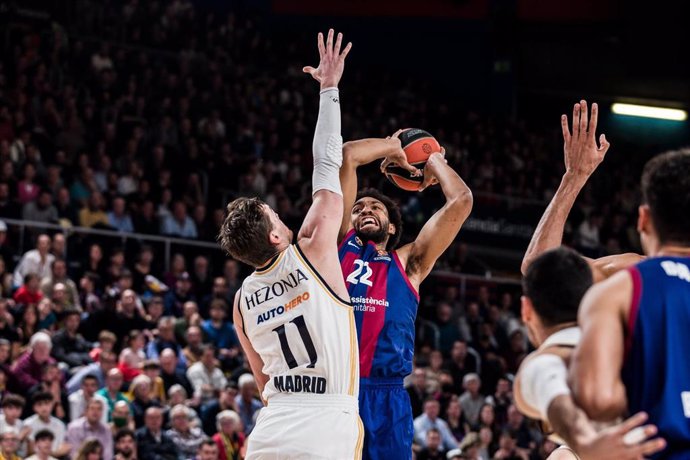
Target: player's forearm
<point x="328" y="143"/>
<point x="549" y="231"/>
<point x="364" y="151"/>
<point x="570" y="422"/>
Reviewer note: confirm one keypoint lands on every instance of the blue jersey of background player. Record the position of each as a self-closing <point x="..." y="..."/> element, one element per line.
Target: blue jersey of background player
<point x="636" y="325"/>
<point x="383" y="283"/>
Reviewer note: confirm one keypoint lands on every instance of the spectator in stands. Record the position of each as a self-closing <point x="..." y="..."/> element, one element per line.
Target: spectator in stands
<point x="433" y="449"/>
<point x="461" y="364"/>
<point x="41" y="210"/>
<point x="418" y="391"/>
<point x="221" y="334"/>
<point x="106" y="342"/>
<point x="179" y="224"/>
<point x="132" y="358"/>
<point x="125" y="445"/>
<point x="152" y="369"/>
<point x="69" y="346"/>
<point x="206" y="378"/>
<point x="224" y="402"/>
<point x="176" y="269"/>
<point x="146" y="221"/>
<point x="154" y="310"/>
<point x="430" y="420"/>
<point x="201" y="277"/>
<point x="152" y="442"/>
<point x="231" y="273"/>
<point x="91" y="426"/>
<point x="106" y="362"/>
<point x="43" y="446"/>
<point x="456" y="419"/>
<point x="229" y="438"/>
<point x="246" y="402"/>
<point x="141" y="391"/>
<point x="190" y="317"/>
<point x="166" y="340"/>
<point x="12" y="406"/>
<point x="111" y="391"/>
<point x="64" y="207"/>
<point x="171" y="373"/>
<point x="88" y="299"/>
<point x="194" y="349"/>
<point x="9" y="208"/>
<point x="508" y="447"/>
<point x="9" y="444"/>
<point x="93" y="215"/>
<point x="121" y="418"/>
<point x="128" y="316"/>
<point x="51" y="381"/>
<point x="119" y="218"/>
<point x="449" y="332"/>
<point x="42" y="420"/>
<point x="28" y="367"/>
<point x="186" y="438"/>
<point x="78" y="401"/>
<point x="59" y="275"/>
<point x="142" y="268"/>
<point x="6" y="252"/>
<point x="28" y="293"/>
<point x="27" y="189"/>
<point x="520" y="431"/>
<point x="176" y="298"/>
<point x="471" y="400"/>
<point x="37" y="261"/>
<point x="208" y="450"/>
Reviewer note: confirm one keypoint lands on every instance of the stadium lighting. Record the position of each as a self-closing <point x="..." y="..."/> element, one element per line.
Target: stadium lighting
<point x="648" y="111"/>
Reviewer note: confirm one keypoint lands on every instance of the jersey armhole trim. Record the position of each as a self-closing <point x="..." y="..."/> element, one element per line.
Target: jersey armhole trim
<point x="402" y="271"/>
<point x="239" y="310"/>
<point x="636" y="277"/>
<point x="311" y="268"/>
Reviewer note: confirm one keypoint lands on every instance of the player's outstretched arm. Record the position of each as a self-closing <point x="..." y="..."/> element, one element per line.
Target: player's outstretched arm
<point x="582" y="156"/>
<point x="320" y="228"/>
<point x="439" y="231"/>
<point x="362" y="152"/>
<point x="598" y="359"/>
<point x="629" y="440"/>
<point x="255" y="361"/>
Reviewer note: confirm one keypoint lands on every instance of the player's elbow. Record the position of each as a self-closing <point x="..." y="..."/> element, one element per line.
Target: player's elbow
<point x="599" y="402"/>
<point x="349" y="155"/>
<point x="461" y="202"/>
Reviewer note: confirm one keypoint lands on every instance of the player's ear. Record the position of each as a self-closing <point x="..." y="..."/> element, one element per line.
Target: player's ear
<point x="526" y="309"/>
<point x="274" y="237"/>
<point x="643" y="218"/>
<point x="391" y="229"/>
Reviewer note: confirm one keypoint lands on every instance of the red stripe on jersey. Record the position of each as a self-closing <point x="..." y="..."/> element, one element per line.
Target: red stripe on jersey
<point x="372" y="322"/>
<point x="634" y="307"/>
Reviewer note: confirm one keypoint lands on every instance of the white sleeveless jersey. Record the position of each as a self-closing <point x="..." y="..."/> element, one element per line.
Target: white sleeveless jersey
<point x="304" y="333"/>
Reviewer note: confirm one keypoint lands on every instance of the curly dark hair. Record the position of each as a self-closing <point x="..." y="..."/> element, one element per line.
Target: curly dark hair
<point x="245" y="232"/>
<point x="394" y="215"/>
<point x="666" y="189"/>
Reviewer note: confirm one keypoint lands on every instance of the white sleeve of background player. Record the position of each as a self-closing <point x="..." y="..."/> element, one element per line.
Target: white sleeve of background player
<point x="542" y="379"/>
<point x="328" y="144"/>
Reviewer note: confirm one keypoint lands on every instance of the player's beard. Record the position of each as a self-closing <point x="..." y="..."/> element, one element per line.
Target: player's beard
<point x="378" y="236"/>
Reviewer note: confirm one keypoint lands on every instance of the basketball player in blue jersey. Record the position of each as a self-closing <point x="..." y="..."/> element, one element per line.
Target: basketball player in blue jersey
<point x="553" y="287"/>
<point x="298" y="335"/>
<point x="383" y="283"/>
<point x="634" y="352"/>
<point x="582" y="157"/>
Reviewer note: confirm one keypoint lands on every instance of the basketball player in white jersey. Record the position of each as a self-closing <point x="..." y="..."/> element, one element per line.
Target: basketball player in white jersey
<point x="553" y="287"/>
<point x="293" y="314"/>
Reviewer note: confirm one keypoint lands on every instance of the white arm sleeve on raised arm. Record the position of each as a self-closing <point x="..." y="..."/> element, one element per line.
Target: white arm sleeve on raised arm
<point x="328" y="144"/>
<point x="542" y="379"/>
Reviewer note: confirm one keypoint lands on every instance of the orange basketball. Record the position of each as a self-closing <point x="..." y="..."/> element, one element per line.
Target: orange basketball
<point x="418" y="146"/>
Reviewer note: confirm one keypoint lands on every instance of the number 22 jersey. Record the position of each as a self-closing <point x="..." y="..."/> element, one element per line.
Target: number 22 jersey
<point x="303" y="332"/>
<point x="385" y="305"/>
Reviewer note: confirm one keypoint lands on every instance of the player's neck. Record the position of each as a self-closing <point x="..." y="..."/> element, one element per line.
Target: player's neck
<point x="549" y="331"/>
<point x="673" y="250"/>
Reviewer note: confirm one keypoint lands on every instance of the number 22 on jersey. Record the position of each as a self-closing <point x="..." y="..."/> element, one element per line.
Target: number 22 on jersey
<point x="361" y="273"/>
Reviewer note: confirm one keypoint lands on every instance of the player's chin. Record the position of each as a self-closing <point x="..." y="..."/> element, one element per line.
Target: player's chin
<point x="376" y="234"/>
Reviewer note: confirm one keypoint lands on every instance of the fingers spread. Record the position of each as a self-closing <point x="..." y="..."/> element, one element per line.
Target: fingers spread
<point x="564" y="128"/>
<point x="576" y="120"/>
<point x="636" y="420"/>
<point x="322" y="47"/>
<point x="329" y="43"/>
<point x="583" y="116"/>
<point x="346" y="50"/>
<point x="593" y="120"/>
<point x="338" y="42"/>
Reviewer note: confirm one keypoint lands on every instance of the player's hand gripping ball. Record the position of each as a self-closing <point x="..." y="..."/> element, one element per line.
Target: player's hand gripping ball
<point x="418" y="145"/>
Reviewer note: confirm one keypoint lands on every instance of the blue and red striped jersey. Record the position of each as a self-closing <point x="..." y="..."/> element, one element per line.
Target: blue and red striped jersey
<point x="385" y="306"/>
<point x="656" y="370"/>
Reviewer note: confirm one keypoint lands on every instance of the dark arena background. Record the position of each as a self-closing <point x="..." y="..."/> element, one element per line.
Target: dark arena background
<point x="127" y="126"/>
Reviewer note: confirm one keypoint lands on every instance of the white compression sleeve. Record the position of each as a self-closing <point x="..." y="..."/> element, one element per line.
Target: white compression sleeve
<point x="328" y="144"/>
<point x="543" y="379"/>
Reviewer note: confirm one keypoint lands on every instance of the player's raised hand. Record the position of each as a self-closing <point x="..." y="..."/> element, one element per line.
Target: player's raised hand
<point x="628" y="441"/>
<point x="582" y="154"/>
<point x="397" y="156"/>
<point x="332" y="60"/>
<point x="434" y="159"/>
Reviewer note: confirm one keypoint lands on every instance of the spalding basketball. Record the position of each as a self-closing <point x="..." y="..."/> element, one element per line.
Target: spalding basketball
<point x="418" y="146"/>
